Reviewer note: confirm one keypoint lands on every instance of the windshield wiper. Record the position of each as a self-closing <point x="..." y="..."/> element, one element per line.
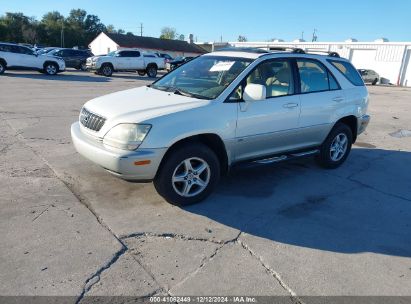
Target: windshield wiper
<point x="178" y="91"/>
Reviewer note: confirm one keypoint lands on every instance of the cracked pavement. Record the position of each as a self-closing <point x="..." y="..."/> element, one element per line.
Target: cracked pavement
<point x="291" y="229"/>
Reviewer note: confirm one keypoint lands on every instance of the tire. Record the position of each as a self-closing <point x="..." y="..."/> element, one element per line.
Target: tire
<point x="106" y="70"/>
<point x="177" y="179"/>
<point x="374" y="81"/>
<point x="51" y="68"/>
<point x="141" y="73"/>
<point x="336" y="148"/>
<point x="151" y="71"/>
<point x="2" y="67"/>
<point x="83" y="66"/>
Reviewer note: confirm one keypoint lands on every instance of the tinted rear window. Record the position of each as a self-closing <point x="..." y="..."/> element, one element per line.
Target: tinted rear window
<point x="348" y="70"/>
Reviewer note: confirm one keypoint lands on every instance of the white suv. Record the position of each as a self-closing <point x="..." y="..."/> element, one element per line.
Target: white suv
<point x="222" y="109"/>
<point x="13" y="56"/>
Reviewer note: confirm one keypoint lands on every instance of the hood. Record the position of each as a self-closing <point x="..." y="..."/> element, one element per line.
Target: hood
<point x="139" y="104"/>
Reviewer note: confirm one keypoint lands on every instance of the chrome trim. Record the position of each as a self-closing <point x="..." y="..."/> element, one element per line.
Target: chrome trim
<point x="91" y="120"/>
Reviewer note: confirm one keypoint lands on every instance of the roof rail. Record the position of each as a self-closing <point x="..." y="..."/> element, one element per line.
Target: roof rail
<point x="331" y="54"/>
<point x="292" y="49"/>
<point x="243" y="49"/>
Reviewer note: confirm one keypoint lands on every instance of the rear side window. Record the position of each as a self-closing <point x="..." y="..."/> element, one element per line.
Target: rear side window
<point x="348" y="71"/>
<point x="314" y="77"/>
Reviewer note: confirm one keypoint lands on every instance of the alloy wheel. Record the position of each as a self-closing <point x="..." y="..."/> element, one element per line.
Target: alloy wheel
<point x="191" y="177"/>
<point x="338" y="147"/>
<point x="51" y="69"/>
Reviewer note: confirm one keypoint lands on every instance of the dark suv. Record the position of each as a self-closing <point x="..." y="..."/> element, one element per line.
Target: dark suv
<point x="73" y="58"/>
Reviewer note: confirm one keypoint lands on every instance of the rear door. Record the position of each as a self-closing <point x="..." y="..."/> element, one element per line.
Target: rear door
<point x="268" y="126"/>
<point x="321" y="97"/>
<point x="26" y="57"/>
<point x="137" y="61"/>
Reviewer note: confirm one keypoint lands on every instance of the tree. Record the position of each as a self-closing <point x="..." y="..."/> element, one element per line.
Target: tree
<point x="168" y="33"/>
<point x="181" y="37"/>
<point x="14" y="23"/>
<point x="121" y="31"/>
<point x="242" y="38"/>
<point x="110" y="28"/>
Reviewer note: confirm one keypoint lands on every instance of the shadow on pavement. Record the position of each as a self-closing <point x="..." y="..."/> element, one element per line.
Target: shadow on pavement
<point x="76" y="76"/>
<point x="364" y="206"/>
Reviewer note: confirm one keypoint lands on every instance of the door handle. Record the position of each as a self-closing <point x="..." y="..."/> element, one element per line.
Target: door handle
<point x="338" y="99"/>
<point x="290" y="105"/>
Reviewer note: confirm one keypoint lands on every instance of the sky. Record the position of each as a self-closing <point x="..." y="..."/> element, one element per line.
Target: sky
<point x="258" y="20"/>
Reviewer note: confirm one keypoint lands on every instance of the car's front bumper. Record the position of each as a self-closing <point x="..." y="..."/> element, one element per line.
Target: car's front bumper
<point x="128" y="165"/>
<point x="363" y="122"/>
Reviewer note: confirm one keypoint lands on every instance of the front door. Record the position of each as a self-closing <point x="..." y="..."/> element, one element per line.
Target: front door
<point x="268" y="126"/>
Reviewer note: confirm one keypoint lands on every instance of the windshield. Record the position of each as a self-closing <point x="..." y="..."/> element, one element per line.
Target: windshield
<point x="204" y="77"/>
<point x="112" y="54"/>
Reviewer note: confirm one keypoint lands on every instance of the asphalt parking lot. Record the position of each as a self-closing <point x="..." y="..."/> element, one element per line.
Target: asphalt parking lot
<point x="69" y="228"/>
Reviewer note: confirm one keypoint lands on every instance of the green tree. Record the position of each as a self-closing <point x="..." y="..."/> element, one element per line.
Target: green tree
<point x="181" y="37"/>
<point x="168" y="33"/>
<point x="242" y="38"/>
<point x="110" y="28"/>
<point x="50" y="28"/>
<point x="14" y="23"/>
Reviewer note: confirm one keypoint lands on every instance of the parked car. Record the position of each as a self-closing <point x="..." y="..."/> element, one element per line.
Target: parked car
<point x="369" y="76"/>
<point x="171" y="65"/>
<point x="167" y="57"/>
<point x="45" y="50"/>
<point x="185" y="130"/>
<point x="74" y="58"/>
<point x="126" y="60"/>
<point x="14" y="56"/>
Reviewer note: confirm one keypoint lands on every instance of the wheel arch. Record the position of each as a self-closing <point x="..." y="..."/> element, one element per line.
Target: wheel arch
<point x="2" y="60"/>
<point x="352" y="122"/>
<point x="212" y="140"/>
<point x="152" y="64"/>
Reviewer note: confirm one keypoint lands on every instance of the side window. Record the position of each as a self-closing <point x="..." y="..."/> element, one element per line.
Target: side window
<point x="25" y="51"/>
<point x="349" y="72"/>
<point x="314" y="77"/>
<point x="276" y="76"/>
<point x="135" y="54"/>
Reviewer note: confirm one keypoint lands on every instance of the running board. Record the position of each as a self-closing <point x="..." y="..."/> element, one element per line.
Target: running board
<point x="281" y="158"/>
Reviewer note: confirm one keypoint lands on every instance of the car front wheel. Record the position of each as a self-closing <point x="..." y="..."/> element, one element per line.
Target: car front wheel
<point x="51" y="69"/>
<point x="188" y="174"/>
<point x="2" y="67"/>
<point x="335" y="149"/>
<point x="106" y="70"/>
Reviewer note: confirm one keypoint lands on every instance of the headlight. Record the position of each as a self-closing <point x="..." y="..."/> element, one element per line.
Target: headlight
<point x="126" y="136"/>
<point x="94" y="59"/>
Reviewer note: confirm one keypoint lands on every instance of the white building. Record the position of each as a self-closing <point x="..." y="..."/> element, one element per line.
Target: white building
<point x="107" y="42"/>
<point x="391" y="60"/>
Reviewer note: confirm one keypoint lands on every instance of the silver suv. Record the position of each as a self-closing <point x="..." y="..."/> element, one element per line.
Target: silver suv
<point x="221" y="109"/>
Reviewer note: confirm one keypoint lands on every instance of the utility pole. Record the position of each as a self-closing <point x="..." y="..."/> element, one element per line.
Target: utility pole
<point x="141" y="29"/>
<point x="302" y="35"/>
<point x="62" y="34"/>
<point x="221" y="38"/>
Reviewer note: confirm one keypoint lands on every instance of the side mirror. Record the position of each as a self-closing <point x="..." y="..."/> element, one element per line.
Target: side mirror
<point x="254" y="92"/>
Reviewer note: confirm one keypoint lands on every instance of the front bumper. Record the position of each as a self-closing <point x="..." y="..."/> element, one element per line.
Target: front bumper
<point x="92" y="66"/>
<point x="118" y="162"/>
<point x="363" y="122"/>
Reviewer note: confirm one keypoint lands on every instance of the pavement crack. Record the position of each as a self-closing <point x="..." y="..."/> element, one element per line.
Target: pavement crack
<point x="206" y="260"/>
<point x="41" y="213"/>
<point x="168" y="235"/>
<point x="95" y="277"/>
<point x="275" y="274"/>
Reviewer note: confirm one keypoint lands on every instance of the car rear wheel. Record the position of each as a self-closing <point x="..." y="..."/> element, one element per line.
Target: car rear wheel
<point x="336" y="148"/>
<point x="106" y="70"/>
<point x="188" y="174"/>
<point x="374" y="82"/>
<point x="2" y="67"/>
<point x="51" y="68"/>
<point x="151" y="71"/>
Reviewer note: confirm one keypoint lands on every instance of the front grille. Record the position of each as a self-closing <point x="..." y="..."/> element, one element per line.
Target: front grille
<point x="90" y="120"/>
